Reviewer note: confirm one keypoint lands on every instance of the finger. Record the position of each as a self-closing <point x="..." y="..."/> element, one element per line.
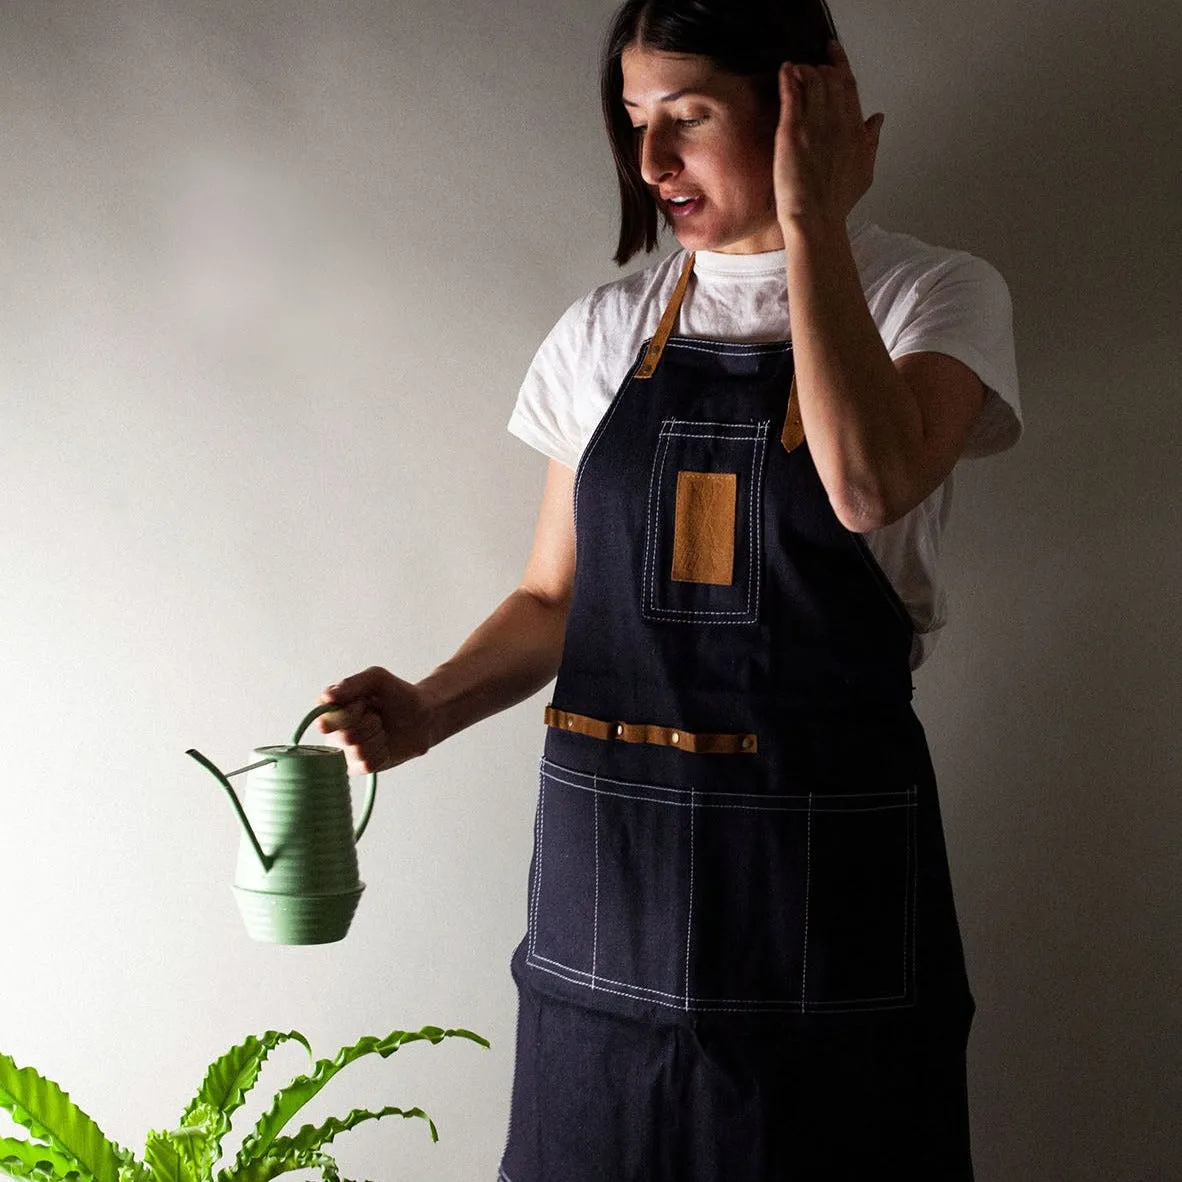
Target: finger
<point x="373" y="758"/>
<point x="789" y="95"/>
<point x="872" y="131"/>
<point x="812" y="89"/>
<point x="340" y="720"/>
<point x="365" y="730"/>
<point x="360" y="685"/>
<point x="837" y="91"/>
<point x="841" y="64"/>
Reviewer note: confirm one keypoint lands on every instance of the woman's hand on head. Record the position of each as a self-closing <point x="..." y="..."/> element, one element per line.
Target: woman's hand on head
<point x="825" y="151"/>
<point x="382" y="721"/>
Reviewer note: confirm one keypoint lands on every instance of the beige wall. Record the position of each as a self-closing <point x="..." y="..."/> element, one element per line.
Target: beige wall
<point x="269" y="277"/>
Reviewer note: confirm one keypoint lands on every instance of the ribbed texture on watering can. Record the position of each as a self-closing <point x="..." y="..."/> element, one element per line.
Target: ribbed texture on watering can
<point x="297" y="919"/>
<point x="301" y="811"/>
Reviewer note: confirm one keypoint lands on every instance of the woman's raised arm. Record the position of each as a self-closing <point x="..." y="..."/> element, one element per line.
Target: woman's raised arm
<point x="883" y="434"/>
<point x="384" y="721"/>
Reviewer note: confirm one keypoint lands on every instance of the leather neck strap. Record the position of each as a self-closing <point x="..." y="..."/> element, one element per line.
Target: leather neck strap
<point x="792" y="435"/>
<point x="657" y="345"/>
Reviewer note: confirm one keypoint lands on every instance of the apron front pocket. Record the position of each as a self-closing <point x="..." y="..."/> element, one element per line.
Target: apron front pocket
<point x="803" y="902"/>
<point x="704" y="527"/>
<point x="610" y="893"/>
<point x="717" y="901"/>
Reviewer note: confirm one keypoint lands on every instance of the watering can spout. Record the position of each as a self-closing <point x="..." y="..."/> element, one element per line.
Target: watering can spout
<point x="265" y="859"/>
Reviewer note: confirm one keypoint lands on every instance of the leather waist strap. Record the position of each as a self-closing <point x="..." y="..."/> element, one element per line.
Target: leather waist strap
<point x="661" y="736"/>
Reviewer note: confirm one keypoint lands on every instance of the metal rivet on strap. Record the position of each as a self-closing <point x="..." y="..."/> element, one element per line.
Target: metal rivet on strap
<point x="619" y="728"/>
<point x="570" y="722"/>
<point x="675" y="737"/>
<point x="747" y="743"/>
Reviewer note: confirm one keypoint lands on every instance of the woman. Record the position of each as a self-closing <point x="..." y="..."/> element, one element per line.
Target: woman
<point x="742" y="959"/>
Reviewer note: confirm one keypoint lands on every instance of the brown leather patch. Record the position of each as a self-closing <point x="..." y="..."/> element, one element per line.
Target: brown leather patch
<point x="704" y="528"/>
<point x="793" y="434"/>
<point x="660" y="736"/>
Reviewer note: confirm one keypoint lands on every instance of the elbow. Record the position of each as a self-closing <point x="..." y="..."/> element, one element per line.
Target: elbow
<point x="550" y="601"/>
<point x="864" y="508"/>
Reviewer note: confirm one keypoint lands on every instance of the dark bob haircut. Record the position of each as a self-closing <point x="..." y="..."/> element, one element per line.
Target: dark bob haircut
<point x="748" y="37"/>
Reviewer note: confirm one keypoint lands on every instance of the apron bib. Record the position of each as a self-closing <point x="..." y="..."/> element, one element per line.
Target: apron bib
<point x="742" y="960"/>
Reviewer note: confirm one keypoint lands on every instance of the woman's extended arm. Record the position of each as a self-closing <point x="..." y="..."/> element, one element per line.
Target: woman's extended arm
<point x="385" y="721"/>
<point x="883" y="434"/>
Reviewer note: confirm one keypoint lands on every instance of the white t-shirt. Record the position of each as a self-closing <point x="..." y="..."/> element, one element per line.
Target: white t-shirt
<point x="922" y="298"/>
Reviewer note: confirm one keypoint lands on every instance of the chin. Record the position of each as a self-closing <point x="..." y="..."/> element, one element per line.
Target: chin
<point x="701" y="239"/>
<point x="704" y="238"/>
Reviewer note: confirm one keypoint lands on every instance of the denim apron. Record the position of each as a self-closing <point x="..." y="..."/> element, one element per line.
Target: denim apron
<point x="742" y="961"/>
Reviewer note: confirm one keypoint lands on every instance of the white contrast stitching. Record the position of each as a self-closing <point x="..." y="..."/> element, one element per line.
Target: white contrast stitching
<point x="733" y="437"/>
<point x="539" y="827"/>
<point x="698" y="799"/>
<point x="729" y="348"/>
<point x="723" y="1005"/>
<point x="757" y="508"/>
<point x="913" y="851"/>
<point x="721" y="800"/>
<point x="742" y="808"/>
<point x="677" y="1000"/>
<point x="595" y="917"/>
<point x="689" y="924"/>
<point x="691" y="344"/>
<point x="908" y="792"/>
<point x="754" y="433"/>
<point x="727" y="425"/>
<point x="808" y="877"/>
<point x="906" y="917"/>
<point x="648" y="580"/>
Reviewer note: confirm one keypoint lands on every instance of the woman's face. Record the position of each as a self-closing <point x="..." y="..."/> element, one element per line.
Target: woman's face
<point x="704" y="146"/>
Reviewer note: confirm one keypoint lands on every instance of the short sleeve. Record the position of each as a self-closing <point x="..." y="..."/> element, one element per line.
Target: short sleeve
<point x="546" y="414"/>
<point x="962" y="308"/>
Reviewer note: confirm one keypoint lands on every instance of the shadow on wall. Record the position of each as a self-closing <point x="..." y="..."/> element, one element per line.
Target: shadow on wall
<point x="1053" y="703"/>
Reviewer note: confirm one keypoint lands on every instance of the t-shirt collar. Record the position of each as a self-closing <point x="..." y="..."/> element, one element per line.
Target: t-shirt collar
<point x="713" y="262"/>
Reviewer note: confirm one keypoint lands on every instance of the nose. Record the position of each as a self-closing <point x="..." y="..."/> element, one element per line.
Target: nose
<point x="658" y="159"/>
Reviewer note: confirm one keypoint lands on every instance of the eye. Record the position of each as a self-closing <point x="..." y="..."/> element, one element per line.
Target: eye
<point x="690" y="122"/>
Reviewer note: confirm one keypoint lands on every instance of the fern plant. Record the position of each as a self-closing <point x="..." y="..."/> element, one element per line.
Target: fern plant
<point x="65" y="1145"/>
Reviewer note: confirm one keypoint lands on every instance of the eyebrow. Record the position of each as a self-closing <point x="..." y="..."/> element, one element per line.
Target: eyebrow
<point x="668" y="98"/>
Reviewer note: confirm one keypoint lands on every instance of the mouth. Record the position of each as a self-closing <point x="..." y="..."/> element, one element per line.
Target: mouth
<point x="682" y="206"/>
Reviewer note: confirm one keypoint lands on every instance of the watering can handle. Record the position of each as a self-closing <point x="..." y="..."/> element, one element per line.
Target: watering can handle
<point x="371" y="787"/>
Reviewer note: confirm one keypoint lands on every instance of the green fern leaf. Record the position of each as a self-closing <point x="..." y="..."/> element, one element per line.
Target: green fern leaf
<point x="272" y="1164"/>
<point x="228" y="1080"/>
<point x="313" y="1137"/>
<point x="134" y="1171"/>
<point x="289" y="1100"/>
<point x="183" y="1155"/>
<point x="11" y="1168"/>
<point x="28" y="1159"/>
<point x="40" y="1106"/>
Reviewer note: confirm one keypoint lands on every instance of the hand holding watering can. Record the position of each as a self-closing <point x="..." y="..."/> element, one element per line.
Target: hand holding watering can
<point x="379" y="719"/>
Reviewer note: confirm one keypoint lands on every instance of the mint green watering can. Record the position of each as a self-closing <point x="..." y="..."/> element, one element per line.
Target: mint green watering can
<point x="297" y="879"/>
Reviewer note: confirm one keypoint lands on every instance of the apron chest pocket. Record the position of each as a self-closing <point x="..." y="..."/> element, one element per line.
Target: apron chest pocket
<point x="707" y="901"/>
<point x="704" y="525"/>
